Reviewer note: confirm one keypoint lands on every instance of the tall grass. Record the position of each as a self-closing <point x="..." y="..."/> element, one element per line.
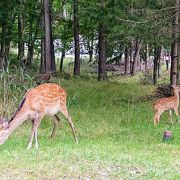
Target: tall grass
<point x="117" y="139"/>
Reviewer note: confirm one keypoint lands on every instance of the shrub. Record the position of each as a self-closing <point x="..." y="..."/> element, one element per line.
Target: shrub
<point x="146" y="78"/>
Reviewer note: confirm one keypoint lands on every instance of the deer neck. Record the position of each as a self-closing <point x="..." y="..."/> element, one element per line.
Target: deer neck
<point x="19" y="118"/>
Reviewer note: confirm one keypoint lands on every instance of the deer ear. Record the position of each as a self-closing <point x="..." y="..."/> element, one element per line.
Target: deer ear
<point x="5" y="125"/>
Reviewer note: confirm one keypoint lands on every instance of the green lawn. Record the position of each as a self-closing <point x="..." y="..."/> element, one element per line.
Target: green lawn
<point x="117" y="139"/>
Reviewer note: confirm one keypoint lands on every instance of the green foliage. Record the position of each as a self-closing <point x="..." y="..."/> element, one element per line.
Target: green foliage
<point x="14" y="83"/>
<point x="125" y="21"/>
<point x="146" y="78"/>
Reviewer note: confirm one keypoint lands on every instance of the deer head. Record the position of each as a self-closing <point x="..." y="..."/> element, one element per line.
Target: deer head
<point x="4" y="129"/>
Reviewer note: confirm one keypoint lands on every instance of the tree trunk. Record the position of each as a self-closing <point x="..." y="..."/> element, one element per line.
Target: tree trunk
<point x="47" y="46"/>
<point x="126" y="61"/>
<point x="155" y="70"/>
<point x="136" y="56"/>
<point x="174" y="46"/>
<point x="178" y="41"/>
<point x="90" y="50"/>
<point x="102" y="75"/>
<point x="146" y="57"/>
<point x="159" y="59"/>
<point x="131" y="55"/>
<point x="31" y="41"/>
<point x="53" y="63"/>
<point x="76" y="40"/>
<point x="167" y="58"/>
<point x="62" y="60"/>
<point x="43" y="59"/>
<point x="21" y="41"/>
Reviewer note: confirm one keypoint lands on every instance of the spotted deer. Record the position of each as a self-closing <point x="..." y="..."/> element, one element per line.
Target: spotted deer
<point x="45" y="99"/>
<point x="167" y="103"/>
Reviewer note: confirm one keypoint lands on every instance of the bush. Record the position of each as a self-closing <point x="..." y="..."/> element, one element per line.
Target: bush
<point x="146" y="78"/>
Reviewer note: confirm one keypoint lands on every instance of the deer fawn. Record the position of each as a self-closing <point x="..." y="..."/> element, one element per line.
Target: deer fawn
<point x="167" y="103"/>
<point x="45" y="99"/>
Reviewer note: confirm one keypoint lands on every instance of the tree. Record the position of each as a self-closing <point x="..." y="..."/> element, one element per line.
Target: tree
<point x="7" y="22"/>
<point x="174" y="45"/>
<point x="33" y="17"/>
<point x="76" y="39"/>
<point x="21" y="27"/>
<point x="157" y="54"/>
<point x="102" y="75"/>
<point x="47" y="59"/>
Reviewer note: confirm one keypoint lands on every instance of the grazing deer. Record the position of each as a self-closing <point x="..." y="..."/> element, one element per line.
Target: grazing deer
<point x="167" y="103"/>
<point x="45" y="99"/>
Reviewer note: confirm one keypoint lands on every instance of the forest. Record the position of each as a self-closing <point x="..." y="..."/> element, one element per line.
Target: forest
<point x="114" y="59"/>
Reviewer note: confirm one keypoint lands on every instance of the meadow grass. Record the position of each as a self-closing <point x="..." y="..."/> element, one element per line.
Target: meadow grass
<point x="117" y="139"/>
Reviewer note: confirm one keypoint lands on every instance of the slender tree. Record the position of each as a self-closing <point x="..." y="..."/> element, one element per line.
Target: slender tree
<point x="174" y="45"/>
<point x="47" y="56"/>
<point x="76" y="39"/>
<point x="136" y="57"/>
<point x="102" y="74"/>
<point x="21" y="26"/>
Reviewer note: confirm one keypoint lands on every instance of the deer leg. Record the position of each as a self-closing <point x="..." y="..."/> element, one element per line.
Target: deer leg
<point x="155" y="120"/>
<point x="177" y="114"/>
<point x="56" y="120"/>
<point x="66" y="114"/>
<point x="31" y="137"/>
<point x="156" y="117"/>
<point x="170" y="114"/>
<point x="36" y="139"/>
<point x="36" y="123"/>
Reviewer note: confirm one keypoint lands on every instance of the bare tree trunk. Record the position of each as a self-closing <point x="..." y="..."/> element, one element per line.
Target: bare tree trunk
<point x="62" y="60"/>
<point x="178" y="41"/>
<point x="76" y="40"/>
<point x="155" y="70"/>
<point x="174" y="46"/>
<point x="167" y="58"/>
<point x="146" y="57"/>
<point x="102" y="74"/>
<point x="159" y="59"/>
<point x="31" y="41"/>
<point x="126" y="61"/>
<point x="21" y="24"/>
<point x="53" y="63"/>
<point x="47" y="46"/>
<point x="43" y="59"/>
<point x="131" y="55"/>
<point x="136" y="56"/>
<point x="90" y="50"/>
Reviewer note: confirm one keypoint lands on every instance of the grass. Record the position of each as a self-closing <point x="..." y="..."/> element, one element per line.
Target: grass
<point x="117" y="139"/>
